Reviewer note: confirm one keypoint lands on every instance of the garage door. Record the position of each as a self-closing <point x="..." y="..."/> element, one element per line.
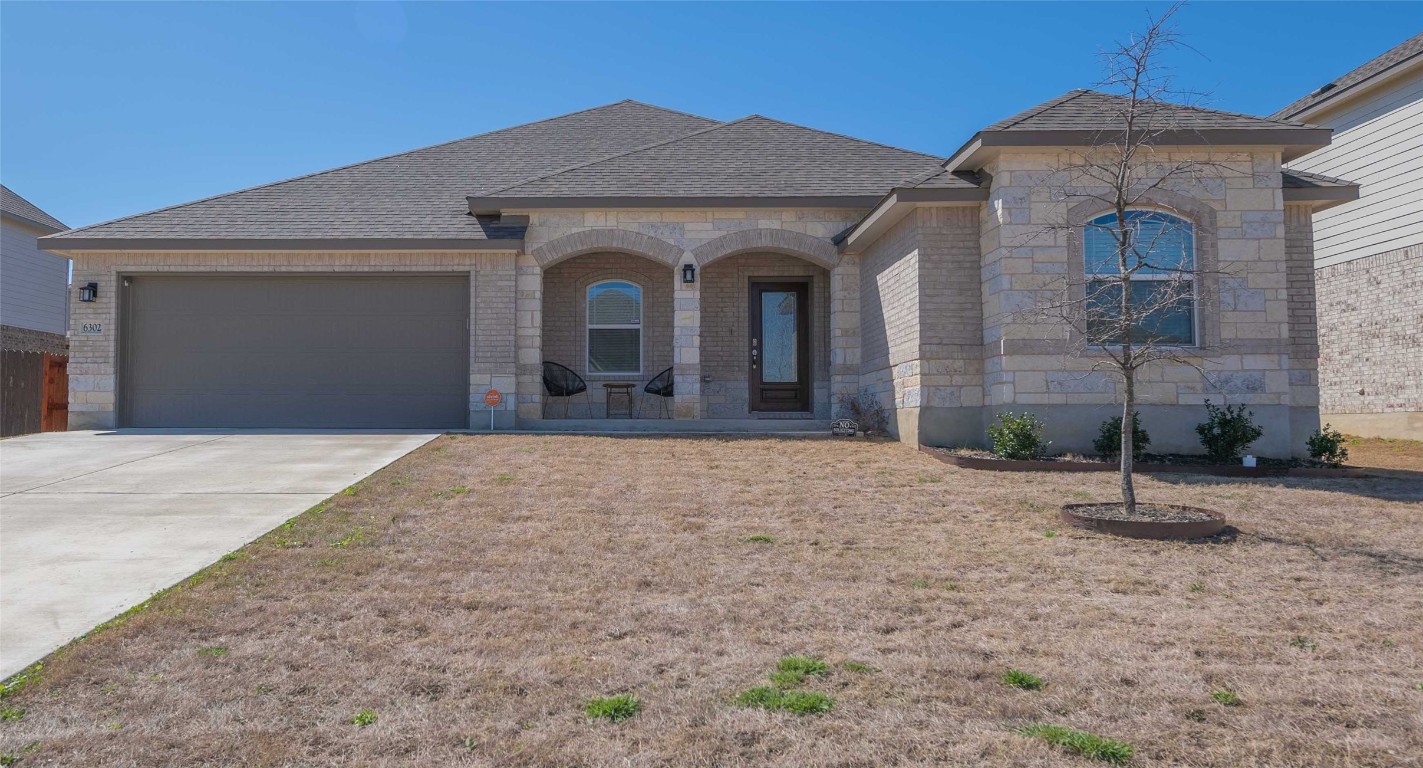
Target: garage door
<point x="300" y="352"/>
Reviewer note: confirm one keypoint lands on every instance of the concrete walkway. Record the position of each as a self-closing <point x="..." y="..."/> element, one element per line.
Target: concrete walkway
<point x="93" y="523"/>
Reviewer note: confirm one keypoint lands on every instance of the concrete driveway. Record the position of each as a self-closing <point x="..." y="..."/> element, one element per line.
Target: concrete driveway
<point x="93" y="523"/>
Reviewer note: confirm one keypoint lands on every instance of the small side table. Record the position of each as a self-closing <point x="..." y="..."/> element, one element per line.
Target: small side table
<point x="615" y="389"/>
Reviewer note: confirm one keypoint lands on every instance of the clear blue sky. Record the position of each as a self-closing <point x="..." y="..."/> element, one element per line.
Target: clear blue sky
<point x="108" y="109"/>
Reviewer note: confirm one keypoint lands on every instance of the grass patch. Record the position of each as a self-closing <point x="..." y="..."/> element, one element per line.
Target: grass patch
<point x="1049" y="534"/>
<point x="919" y="584"/>
<point x="1303" y="643"/>
<point x="796" y="702"/>
<point x="9" y="714"/>
<point x="1088" y="745"/>
<point x="859" y="668"/>
<point x="804" y="665"/>
<point x="1196" y="586"/>
<point x="503" y="479"/>
<point x="760" y="538"/>
<point x="784" y="680"/>
<point x="352" y="491"/>
<point x="615" y="708"/>
<point x="230" y="556"/>
<point x="1020" y="679"/>
<point x="1227" y="697"/>
<point x="364" y="718"/>
<point x="213" y="651"/>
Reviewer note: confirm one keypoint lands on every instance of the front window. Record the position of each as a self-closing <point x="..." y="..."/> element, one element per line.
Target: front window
<point x="1159" y="277"/>
<point x="614" y="328"/>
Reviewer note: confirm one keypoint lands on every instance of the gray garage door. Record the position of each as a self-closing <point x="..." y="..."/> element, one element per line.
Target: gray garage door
<point x="298" y="352"/>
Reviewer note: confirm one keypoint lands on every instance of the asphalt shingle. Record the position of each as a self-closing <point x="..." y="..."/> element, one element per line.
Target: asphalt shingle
<point x="1396" y="56"/>
<point x="14" y="205"/>
<point x="1085" y="110"/>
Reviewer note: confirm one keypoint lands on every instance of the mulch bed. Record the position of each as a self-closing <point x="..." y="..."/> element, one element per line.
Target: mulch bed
<point x="970" y="458"/>
<point x="1149" y="521"/>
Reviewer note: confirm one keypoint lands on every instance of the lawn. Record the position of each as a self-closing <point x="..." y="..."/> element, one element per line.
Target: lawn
<point x="490" y="600"/>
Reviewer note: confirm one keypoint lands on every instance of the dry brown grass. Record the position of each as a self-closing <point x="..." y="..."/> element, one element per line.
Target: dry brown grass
<point x="476" y="624"/>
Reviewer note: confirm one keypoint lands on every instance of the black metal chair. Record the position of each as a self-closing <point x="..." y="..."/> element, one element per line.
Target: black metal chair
<point x="661" y="386"/>
<point x="561" y="381"/>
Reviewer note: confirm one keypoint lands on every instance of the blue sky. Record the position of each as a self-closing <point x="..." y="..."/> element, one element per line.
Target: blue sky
<point x="108" y="109"/>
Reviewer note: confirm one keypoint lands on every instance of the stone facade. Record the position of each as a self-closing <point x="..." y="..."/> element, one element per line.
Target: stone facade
<point x="93" y="355"/>
<point x="1371" y="343"/>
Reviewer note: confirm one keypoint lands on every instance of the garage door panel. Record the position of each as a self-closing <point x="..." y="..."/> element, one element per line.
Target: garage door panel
<point x="304" y="352"/>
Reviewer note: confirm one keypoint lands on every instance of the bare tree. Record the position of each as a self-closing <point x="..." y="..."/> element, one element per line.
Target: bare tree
<point x="1134" y="301"/>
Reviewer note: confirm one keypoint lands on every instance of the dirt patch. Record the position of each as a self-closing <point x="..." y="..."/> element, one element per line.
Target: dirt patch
<point x="477" y="594"/>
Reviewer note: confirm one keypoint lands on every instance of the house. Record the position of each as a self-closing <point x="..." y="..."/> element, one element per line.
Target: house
<point x="34" y="313"/>
<point x="775" y="268"/>
<point x="1369" y="253"/>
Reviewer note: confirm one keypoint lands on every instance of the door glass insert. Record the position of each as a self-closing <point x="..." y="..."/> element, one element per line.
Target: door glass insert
<point x="779" y="344"/>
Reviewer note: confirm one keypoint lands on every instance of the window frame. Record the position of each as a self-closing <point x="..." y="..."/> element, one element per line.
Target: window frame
<point x="589" y="326"/>
<point x="1191" y="275"/>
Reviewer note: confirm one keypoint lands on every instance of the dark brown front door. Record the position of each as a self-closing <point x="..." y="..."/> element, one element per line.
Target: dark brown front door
<point x="780" y="346"/>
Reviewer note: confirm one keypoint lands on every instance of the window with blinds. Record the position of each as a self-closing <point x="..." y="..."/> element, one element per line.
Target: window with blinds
<point x="614" y="328"/>
<point x="1160" y="278"/>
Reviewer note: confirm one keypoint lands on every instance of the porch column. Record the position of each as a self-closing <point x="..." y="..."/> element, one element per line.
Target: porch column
<point x="687" y="344"/>
<point x="844" y="330"/>
<point x="528" y="336"/>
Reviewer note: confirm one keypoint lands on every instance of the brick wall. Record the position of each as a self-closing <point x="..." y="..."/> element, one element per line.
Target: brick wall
<point x="1371" y="334"/>
<point x="565" y="313"/>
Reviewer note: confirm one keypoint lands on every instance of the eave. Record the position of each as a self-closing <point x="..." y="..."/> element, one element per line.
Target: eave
<point x="491" y="206"/>
<point x="1294" y="142"/>
<point x="893" y="207"/>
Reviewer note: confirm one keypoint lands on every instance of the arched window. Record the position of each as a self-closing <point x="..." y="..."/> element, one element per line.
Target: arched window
<point x="1152" y="256"/>
<point x="614" y="328"/>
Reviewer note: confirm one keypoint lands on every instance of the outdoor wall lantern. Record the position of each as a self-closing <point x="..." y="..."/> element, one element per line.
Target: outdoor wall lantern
<point x="689" y="273"/>
<point x="89" y="292"/>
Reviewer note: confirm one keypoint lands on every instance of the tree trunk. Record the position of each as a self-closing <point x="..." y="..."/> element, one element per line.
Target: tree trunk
<point x="1128" y="412"/>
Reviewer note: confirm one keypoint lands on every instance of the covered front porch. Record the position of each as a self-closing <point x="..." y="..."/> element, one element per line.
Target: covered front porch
<point x="741" y="334"/>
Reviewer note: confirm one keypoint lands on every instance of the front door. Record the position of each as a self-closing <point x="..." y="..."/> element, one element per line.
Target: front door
<point x="780" y="346"/>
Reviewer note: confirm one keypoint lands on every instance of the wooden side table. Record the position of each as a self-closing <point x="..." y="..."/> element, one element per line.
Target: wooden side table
<point x="614" y="389"/>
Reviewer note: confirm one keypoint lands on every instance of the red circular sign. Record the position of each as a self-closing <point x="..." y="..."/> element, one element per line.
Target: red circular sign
<point x="492" y="398"/>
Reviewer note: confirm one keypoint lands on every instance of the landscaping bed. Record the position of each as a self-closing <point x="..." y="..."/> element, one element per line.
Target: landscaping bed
<point x="970" y="458"/>
<point x="1149" y="521"/>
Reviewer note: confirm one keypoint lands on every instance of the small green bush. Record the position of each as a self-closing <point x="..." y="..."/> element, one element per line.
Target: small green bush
<point x="1020" y="679"/>
<point x="615" y="708"/>
<point x="1109" y="438"/>
<point x="364" y="718"/>
<point x="1090" y="746"/>
<point x="1017" y="436"/>
<point x="1227" y="432"/>
<point x="797" y="702"/>
<point x="1327" y="445"/>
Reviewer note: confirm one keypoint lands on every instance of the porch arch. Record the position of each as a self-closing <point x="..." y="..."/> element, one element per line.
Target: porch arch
<point x="594" y="240"/>
<point x="813" y="249"/>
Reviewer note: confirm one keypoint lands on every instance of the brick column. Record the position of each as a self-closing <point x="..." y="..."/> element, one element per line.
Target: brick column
<point x="528" y="336"/>
<point x="844" y="330"/>
<point x="687" y="344"/>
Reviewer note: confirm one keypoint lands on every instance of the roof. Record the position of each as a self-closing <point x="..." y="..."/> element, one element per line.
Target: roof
<point x="16" y="207"/>
<point x="1085" y="117"/>
<point x="754" y="157"/>
<point x="1317" y="189"/>
<point x="1390" y="62"/>
<point x="416" y="198"/>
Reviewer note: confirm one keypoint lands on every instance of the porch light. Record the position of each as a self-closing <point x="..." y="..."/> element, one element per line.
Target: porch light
<point x="689" y="273"/>
<point x="89" y="292"/>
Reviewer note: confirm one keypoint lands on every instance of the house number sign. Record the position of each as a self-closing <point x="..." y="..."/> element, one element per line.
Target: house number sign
<point x="91" y="329"/>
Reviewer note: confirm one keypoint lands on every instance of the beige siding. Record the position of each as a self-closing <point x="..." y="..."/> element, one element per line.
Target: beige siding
<point x="33" y="284"/>
<point x="1378" y="143"/>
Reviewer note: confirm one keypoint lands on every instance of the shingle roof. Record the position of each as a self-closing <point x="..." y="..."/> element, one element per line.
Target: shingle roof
<point x="11" y="204"/>
<point x="1395" y="57"/>
<point x="754" y="157"/>
<point x="1085" y="110"/>
<point x="1296" y="179"/>
<point x="414" y="195"/>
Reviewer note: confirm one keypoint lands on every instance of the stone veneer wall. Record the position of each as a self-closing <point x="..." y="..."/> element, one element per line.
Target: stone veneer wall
<point x="1371" y="344"/>
<point x="726" y="323"/>
<point x="565" y="319"/>
<point x="1244" y="306"/>
<point x="92" y="360"/>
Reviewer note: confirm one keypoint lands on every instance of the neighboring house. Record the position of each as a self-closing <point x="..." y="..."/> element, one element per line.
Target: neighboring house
<point x="775" y="267"/>
<point x="1369" y="253"/>
<point x="34" y="311"/>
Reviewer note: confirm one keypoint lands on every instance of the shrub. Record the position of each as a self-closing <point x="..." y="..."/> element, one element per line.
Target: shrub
<point x="1109" y="438"/>
<point x="1017" y="436"/>
<point x="1227" y="432"/>
<point x="615" y="708"/>
<point x="1088" y="745"/>
<point x="865" y="408"/>
<point x="1020" y="679"/>
<point x="797" y="702"/>
<point x="1327" y="445"/>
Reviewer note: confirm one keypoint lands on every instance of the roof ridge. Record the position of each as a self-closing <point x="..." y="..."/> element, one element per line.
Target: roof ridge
<point x="1290" y="123"/>
<point x="1332" y="89"/>
<point x="357" y="164"/>
<point x="847" y="136"/>
<point x="614" y="156"/>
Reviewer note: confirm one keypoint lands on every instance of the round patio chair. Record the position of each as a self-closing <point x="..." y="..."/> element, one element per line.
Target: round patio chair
<point x="661" y="387"/>
<point x="560" y="381"/>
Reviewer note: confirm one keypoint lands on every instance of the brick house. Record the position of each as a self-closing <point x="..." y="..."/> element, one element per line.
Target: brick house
<point x="774" y="268"/>
<point x="1369" y="252"/>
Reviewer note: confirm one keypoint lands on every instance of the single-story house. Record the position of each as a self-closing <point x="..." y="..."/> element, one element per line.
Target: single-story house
<point x="1368" y="253"/>
<point x="34" y="319"/>
<point x="775" y="269"/>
